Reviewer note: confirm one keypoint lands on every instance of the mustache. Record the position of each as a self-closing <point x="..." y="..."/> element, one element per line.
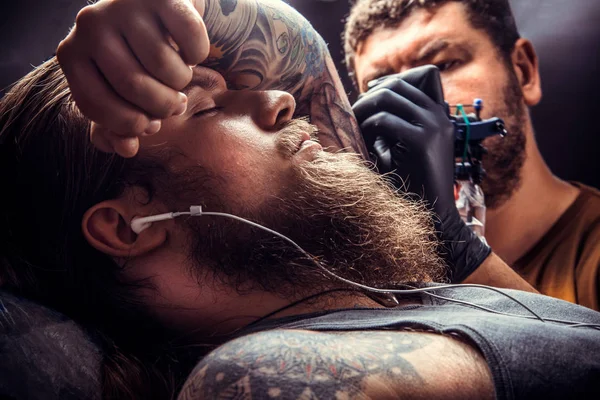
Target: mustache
<point x="292" y="133"/>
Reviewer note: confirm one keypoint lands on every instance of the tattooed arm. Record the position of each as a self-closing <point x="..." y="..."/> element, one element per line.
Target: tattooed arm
<point x="266" y="44"/>
<point x="356" y="365"/>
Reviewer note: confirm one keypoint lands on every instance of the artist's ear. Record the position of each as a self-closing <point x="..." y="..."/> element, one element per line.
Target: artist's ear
<point x="525" y="64"/>
<point x="106" y="227"/>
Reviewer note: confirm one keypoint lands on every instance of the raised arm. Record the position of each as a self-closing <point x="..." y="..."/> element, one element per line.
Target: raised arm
<point x="355" y="365"/>
<point x="126" y="62"/>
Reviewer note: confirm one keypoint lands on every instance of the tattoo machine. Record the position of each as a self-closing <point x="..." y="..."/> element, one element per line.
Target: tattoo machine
<point x="470" y="131"/>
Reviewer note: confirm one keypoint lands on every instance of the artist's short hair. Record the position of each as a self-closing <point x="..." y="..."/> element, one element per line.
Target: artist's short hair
<point x="494" y="17"/>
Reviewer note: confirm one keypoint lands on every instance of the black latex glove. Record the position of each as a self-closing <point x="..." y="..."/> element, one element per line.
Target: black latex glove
<point x="410" y="134"/>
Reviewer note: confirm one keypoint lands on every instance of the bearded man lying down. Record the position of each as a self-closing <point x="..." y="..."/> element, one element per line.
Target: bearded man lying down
<point x="261" y="317"/>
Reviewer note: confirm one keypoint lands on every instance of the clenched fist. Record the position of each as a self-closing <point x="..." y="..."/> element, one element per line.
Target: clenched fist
<point x="127" y="61"/>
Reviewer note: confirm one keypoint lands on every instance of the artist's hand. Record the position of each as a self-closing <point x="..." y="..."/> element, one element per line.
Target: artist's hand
<point x="411" y="135"/>
<point x="126" y="62"/>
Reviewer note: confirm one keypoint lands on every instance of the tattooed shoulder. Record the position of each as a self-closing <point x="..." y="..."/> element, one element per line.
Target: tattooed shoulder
<point x="287" y="364"/>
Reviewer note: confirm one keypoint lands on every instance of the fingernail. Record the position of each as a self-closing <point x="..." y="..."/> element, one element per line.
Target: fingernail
<point x="129" y="147"/>
<point x="153" y="127"/>
<point x="182" y="104"/>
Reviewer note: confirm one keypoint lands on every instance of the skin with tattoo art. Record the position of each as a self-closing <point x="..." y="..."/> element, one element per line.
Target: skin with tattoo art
<point x="288" y="364"/>
<point x="255" y="45"/>
<point x="187" y="289"/>
<point x="267" y="45"/>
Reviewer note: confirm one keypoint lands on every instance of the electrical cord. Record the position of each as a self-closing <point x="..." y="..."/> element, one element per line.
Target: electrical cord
<point x="196" y="211"/>
<point x="297" y="302"/>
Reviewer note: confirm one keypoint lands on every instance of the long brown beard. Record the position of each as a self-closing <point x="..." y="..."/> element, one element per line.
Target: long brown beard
<point x="343" y="214"/>
<point x="506" y="156"/>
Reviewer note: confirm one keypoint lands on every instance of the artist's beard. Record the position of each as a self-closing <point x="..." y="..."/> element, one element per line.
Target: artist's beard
<point x="506" y="156"/>
<point x="340" y="212"/>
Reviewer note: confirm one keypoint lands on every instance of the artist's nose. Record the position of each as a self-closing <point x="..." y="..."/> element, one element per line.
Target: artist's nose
<point x="273" y="108"/>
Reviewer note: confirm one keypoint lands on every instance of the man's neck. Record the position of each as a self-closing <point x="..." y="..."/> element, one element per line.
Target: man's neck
<point x="541" y="199"/>
<point x="334" y="301"/>
<point x="243" y="310"/>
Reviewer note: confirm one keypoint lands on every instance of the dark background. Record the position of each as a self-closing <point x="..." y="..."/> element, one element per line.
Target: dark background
<point x="566" y="34"/>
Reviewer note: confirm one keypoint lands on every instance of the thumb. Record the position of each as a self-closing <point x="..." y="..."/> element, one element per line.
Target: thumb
<point x="109" y="142"/>
<point x="99" y="136"/>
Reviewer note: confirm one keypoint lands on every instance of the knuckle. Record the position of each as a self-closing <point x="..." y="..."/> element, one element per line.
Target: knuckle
<point x="193" y="23"/>
<point x="378" y="98"/>
<point x="385" y="122"/>
<point x="392" y="82"/>
<point x="190" y="18"/>
<point x="375" y="121"/>
<point x="86" y="16"/>
<point x="387" y="95"/>
<point x="383" y="119"/>
<point x="63" y="50"/>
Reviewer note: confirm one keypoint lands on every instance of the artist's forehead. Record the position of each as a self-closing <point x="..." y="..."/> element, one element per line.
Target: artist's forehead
<point x="421" y="26"/>
<point x="417" y="39"/>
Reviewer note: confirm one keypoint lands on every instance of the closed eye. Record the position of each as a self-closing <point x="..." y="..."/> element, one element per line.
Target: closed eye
<point x="207" y="111"/>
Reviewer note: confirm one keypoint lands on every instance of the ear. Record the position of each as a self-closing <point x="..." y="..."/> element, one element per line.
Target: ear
<point x="106" y="227"/>
<point x="525" y="64"/>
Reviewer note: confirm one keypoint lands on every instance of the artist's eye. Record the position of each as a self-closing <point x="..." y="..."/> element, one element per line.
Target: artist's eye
<point x="208" y="112"/>
<point x="448" y="65"/>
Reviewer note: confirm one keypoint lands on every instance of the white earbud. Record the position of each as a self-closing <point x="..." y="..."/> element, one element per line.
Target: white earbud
<point x="141" y="223"/>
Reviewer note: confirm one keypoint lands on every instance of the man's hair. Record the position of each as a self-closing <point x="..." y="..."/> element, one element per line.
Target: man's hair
<point x="50" y="174"/>
<point x="494" y="17"/>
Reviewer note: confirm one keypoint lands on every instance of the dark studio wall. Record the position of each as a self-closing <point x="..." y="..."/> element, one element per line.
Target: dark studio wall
<point x="566" y="35"/>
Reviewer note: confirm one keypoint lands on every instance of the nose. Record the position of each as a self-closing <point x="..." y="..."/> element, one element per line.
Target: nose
<point x="273" y="108"/>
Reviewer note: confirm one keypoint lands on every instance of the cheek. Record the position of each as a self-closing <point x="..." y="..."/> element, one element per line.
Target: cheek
<point x="244" y="159"/>
<point x="179" y="301"/>
<point x="225" y="146"/>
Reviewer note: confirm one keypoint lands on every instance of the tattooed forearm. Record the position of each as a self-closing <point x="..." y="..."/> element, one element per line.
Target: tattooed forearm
<point x="265" y="44"/>
<point x="307" y="365"/>
<point x="329" y="107"/>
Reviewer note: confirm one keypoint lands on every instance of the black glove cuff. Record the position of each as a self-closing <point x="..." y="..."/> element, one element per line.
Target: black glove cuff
<point x="462" y="249"/>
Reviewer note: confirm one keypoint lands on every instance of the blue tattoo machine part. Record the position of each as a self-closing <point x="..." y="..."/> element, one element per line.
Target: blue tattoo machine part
<point x="196" y="211"/>
<point x="478" y="106"/>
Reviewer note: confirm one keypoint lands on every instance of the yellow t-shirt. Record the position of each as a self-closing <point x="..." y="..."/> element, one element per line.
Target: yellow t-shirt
<point x="565" y="263"/>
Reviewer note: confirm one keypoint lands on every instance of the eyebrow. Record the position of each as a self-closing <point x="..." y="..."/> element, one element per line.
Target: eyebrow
<point x="430" y="50"/>
<point x="425" y="54"/>
<point x="205" y="81"/>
